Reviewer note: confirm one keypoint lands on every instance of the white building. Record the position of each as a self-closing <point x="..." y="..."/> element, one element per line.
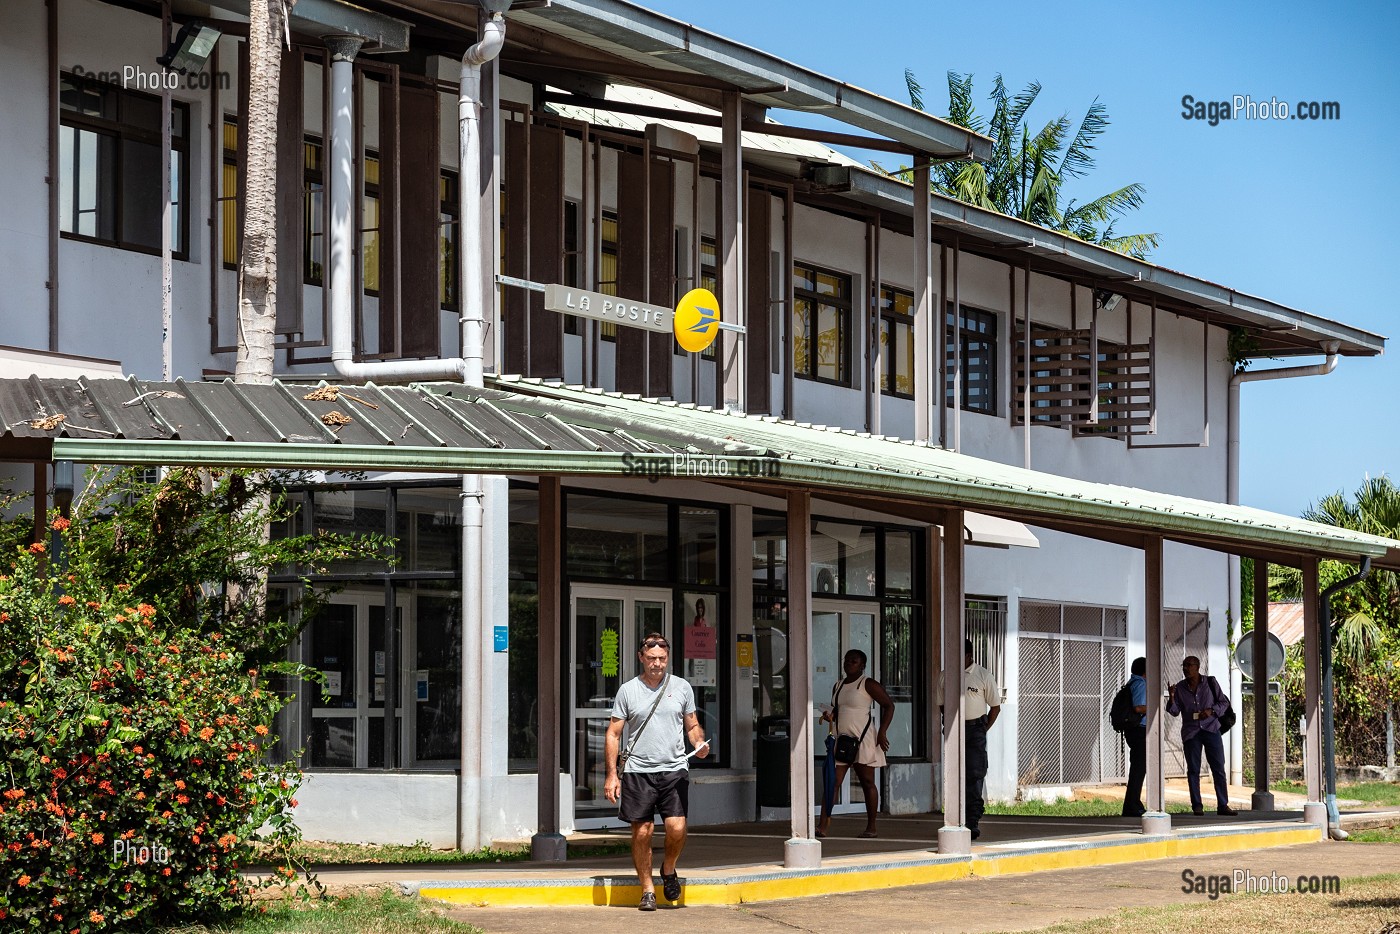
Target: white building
<point x="613" y="134"/>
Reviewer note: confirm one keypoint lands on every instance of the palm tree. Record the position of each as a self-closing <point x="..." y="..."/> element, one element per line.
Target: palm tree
<point x="257" y="264"/>
<point x="1025" y="174"/>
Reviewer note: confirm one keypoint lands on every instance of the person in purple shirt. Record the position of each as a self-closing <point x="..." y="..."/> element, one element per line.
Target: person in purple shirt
<point x="1200" y="702"/>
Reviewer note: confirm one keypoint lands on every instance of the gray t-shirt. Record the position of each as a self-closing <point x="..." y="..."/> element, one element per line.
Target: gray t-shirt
<point x="661" y="747"/>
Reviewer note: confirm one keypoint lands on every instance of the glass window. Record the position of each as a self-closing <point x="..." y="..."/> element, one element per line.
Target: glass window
<point x="438" y="658"/>
<point x="573" y="264"/>
<point x="351" y="512"/>
<point x="896" y="342"/>
<point x="110" y="163"/>
<point x="313" y="236"/>
<point x="843" y="559"/>
<point x="900" y="645"/>
<point x="699" y="545"/>
<point x="617" y="539"/>
<point x="899" y="564"/>
<point x="977" y="335"/>
<point x="430" y="529"/>
<point x="228" y="194"/>
<point x="821" y="325"/>
<point x="703" y="638"/>
<point x="369" y="230"/>
<point x="607" y="268"/>
<point x="447" y="239"/>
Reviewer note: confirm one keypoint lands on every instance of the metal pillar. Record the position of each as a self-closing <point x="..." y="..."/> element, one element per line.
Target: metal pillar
<point x="1262" y="799"/>
<point x="803" y="850"/>
<point x="1314" y="811"/>
<point x="548" y="843"/>
<point x="730" y="378"/>
<point x="926" y="323"/>
<point x="953" y="836"/>
<point x="1155" y="821"/>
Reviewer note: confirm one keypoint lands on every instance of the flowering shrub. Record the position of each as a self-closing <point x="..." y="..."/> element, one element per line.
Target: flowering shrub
<point x="135" y="777"/>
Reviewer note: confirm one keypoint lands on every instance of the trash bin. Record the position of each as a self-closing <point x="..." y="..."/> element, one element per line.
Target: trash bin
<point x="773" y="762"/>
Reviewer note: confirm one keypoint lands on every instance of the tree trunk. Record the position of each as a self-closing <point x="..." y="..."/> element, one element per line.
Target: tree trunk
<point x="257" y="267"/>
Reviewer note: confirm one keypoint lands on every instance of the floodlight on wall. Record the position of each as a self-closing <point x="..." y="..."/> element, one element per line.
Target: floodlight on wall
<point x="1106" y="300"/>
<point x="190" y="49"/>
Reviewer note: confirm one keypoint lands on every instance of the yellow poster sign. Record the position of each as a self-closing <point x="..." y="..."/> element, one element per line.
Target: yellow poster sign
<point x="696" y="321"/>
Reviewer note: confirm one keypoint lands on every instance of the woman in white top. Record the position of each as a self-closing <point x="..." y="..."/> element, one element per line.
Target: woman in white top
<point x="850" y="700"/>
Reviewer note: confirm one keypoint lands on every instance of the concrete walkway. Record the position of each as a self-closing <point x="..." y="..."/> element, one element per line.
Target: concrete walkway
<point x="1004" y="903"/>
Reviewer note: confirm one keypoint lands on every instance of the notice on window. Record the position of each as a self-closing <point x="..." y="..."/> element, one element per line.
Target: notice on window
<point x="379" y="663"/>
<point x="379" y="689"/>
<point x="420" y="685"/>
<point x="743" y="650"/>
<point x="608" y="645"/>
<point x="333" y="683"/>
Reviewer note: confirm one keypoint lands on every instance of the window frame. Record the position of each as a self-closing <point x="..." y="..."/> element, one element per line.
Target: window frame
<point x="957" y="328"/>
<point x="116" y="129"/>
<point x="892" y="318"/>
<point x="842" y="305"/>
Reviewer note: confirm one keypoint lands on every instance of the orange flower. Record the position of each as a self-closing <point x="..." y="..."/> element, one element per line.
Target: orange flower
<point x="165" y="871"/>
<point x="146" y="610"/>
<point x="180" y="784"/>
<point x="207" y="733"/>
<point x="60" y="524"/>
<point x="23" y="881"/>
<point x="66" y="600"/>
<point x="260" y="730"/>
<point x="183" y="799"/>
<point x="37" y="548"/>
<point x="97" y="839"/>
<point x="95" y="917"/>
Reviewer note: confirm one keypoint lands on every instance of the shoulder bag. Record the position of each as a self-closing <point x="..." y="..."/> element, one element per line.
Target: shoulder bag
<point x="1228" y="718"/>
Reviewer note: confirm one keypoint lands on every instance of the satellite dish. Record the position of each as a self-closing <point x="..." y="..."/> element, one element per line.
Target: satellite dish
<point x="1244" y="655"/>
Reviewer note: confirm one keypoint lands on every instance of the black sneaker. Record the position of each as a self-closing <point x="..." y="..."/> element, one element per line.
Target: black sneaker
<point x="976" y="833"/>
<point x="671" y="887"/>
<point x="648" y="902"/>
<point x="1226" y="811"/>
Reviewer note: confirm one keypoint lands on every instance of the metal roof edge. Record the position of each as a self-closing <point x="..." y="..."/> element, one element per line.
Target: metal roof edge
<point x="1116" y="265"/>
<point x="859" y="107"/>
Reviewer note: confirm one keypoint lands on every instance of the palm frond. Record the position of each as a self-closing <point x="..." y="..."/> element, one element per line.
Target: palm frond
<point x="1137" y="246"/>
<point x="1079" y="157"/>
<point x="915" y="89"/>
<point x="1106" y="207"/>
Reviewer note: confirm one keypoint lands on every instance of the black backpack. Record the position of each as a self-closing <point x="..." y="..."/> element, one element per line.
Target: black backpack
<point x="1122" y="714"/>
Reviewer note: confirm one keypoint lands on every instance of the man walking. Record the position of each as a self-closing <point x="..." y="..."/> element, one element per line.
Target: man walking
<point x="659" y="712"/>
<point x="981" y="707"/>
<point x="1136" y="737"/>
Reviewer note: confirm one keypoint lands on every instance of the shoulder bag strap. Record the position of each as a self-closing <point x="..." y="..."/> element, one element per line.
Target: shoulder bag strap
<point x="660" y="693"/>
<point x="836" y="704"/>
<point x="868" y="719"/>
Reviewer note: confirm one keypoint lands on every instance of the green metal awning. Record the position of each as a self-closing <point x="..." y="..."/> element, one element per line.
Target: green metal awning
<point x="528" y="427"/>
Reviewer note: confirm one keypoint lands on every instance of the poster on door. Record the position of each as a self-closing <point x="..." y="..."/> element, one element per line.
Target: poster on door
<point x="700" y="642"/>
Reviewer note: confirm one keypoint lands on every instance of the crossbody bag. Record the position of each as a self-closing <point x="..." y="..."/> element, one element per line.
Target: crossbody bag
<point x="847" y="747"/>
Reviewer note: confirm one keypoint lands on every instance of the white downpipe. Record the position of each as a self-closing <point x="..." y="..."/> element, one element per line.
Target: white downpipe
<point x="475" y="702"/>
<point x="342" y="267"/>
<point x="1232" y="496"/>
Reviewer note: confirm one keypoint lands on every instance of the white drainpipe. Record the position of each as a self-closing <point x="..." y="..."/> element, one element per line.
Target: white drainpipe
<point x="1232" y="496"/>
<point x="475" y="702"/>
<point x="468" y="367"/>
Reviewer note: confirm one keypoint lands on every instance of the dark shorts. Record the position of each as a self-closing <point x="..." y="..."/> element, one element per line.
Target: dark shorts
<point x="644" y="794"/>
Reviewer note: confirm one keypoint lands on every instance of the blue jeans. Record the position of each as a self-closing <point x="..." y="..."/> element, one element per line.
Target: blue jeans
<point x="1215" y="758"/>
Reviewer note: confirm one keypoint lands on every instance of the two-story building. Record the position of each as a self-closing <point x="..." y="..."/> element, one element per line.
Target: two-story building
<point x="624" y="153"/>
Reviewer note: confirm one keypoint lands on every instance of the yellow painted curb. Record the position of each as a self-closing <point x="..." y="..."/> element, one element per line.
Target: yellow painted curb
<point x="777" y="884"/>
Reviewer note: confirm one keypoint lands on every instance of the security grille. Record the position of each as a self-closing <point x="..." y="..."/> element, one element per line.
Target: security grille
<point x="986" y="627"/>
<point x="1073" y="659"/>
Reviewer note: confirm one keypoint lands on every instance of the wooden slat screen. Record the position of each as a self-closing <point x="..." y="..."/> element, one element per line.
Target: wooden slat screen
<point x="1072" y="386"/>
<point x="515" y="183"/>
<point x="388" y="210"/>
<point x="758" y="316"/>
<point x="546" y="337"/>
<point x="662" y="272"/>
<point x="421" y="318"/>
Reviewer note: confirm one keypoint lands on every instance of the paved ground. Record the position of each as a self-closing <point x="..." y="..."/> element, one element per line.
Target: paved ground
<point x="1008" y="903"/>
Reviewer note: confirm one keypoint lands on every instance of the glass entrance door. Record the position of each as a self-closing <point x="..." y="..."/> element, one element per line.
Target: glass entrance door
<point x="836" y="629"/>
<point x="607" y="626"/>
<point x="347" y="711"/>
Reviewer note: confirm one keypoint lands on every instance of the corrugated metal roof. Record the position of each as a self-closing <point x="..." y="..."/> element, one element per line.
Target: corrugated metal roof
<point x="531" y="427"/>
<point x="1286" y="622"/>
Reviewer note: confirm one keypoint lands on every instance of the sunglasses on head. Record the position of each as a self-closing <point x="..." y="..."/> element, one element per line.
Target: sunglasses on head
<point x="653" y="643"/>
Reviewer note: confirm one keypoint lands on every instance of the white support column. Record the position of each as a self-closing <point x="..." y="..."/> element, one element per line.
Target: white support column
<point x="803" y="850"/>
<point x="730" y="379"/>
<point x="1155" y="821"/>
<point x="926" y="322"/>
<point x="954" y="836"/>
<point x="1315" y="810"/>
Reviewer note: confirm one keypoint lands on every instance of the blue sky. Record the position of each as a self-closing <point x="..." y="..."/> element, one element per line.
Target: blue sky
<point x="1298" y="212"/>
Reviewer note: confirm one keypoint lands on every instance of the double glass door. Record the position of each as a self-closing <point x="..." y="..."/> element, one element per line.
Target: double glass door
<point x="608" y="624"/>
<point x="836" y="629"/>
<point x="346" y="645"/>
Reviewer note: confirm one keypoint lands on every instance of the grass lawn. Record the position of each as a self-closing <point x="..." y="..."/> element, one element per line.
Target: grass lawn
<point x="372" y="913"/>
<point x="1384" y="794"/>
<point x="1379" y="835"/>
<point x="1364" y="904"/>
<point x="1079" y="807"/>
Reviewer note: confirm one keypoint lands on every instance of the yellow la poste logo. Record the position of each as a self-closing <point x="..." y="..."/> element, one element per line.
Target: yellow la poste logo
<point x="696" y="321"/>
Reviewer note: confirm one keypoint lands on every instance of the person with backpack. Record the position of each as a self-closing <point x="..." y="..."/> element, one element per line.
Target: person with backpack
<point x="1129" y="716"/>
<point x="1200" y="703"/>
